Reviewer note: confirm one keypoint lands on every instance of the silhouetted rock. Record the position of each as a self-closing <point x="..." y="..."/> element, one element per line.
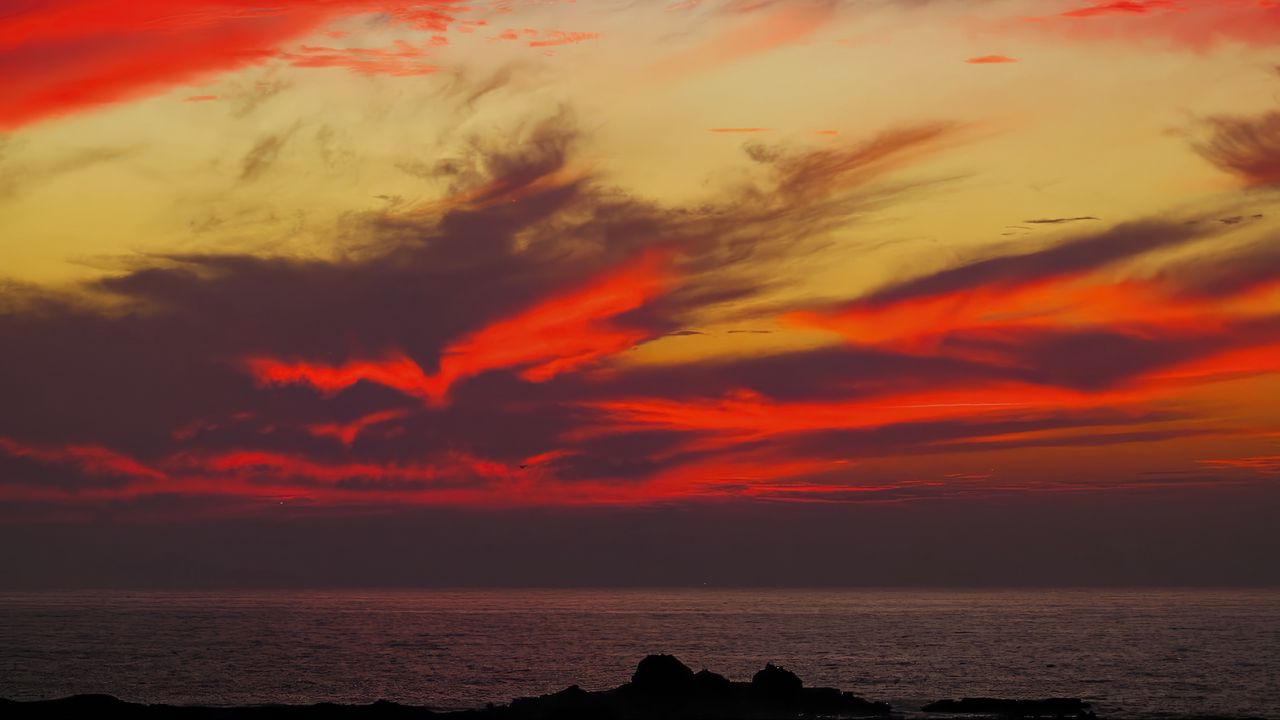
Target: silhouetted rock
<point x="571" y="703"/>
<point x="706" y="682"/>
<point x="662" y="674"/>
<point x="661" y="688"/>
<point x="1048" y="708"/>
<point x="776" y="682"/>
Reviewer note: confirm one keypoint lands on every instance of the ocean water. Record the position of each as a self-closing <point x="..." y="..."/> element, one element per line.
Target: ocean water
<point x="1134" y="653"/>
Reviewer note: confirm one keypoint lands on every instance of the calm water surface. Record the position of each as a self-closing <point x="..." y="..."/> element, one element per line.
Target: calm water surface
<point x="1134" y="653"/>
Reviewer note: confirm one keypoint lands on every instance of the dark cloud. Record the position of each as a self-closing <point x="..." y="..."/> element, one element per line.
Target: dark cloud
<point x="1078" y="255"/>
<point x="1059" y="221"/>
<point x="263" y="155"/>
<point x="1094" y="358"/>
<point x="17" y="176"/>
<point x="1237" y="219"/>
<point x="1099" y="428"/>
<point x="1248" y="148"/>
<point x="1255" y="265"/>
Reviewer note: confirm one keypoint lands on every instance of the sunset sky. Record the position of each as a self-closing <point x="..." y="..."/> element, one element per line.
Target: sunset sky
<point x="348" y="256"/>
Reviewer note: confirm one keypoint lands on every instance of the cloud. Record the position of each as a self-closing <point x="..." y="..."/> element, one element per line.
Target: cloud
<point x="401" y="60"/>
<point x="746" y="416"/>
<point x="263" y="155"/>
<point x="1248" y="148"/>
<point x="563" y="333"/>
<point x="501" y="313"/>
<point x="1195" y="25"/>
<point x="991" y="60"/>
<point x="1139" y="7"/>
<point x="1083" y="254"/>
<point x="1249" y="271"/>
<point x="1061" y="316"/>
<point x="824" y="172"/>
<point x="93" y="53"/>
<point x="18" y="176"/>
<point x="553" y="38"/>
<point x="1059" y="221"/>
<point x="92" y="459"/>
<point x="747" y="29"/>
<point x="1266" y="464"/>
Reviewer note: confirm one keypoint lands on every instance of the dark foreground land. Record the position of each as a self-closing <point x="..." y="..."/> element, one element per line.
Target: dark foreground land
<point x="661" y="688"/>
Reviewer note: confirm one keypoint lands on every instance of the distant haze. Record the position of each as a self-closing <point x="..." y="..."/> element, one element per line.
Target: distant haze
<point x="1189" y="537"/>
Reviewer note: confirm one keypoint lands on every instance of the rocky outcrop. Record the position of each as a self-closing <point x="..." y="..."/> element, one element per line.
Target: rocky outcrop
<point x="662" y="688"/>
<point x="777" y="683"/>
<point x="663" y="675"/>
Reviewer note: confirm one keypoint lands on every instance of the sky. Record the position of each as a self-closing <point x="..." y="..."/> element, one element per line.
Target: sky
<point x="367" y="292"/>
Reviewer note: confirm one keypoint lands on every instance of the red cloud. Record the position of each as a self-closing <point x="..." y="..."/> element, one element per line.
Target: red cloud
<point x="90" y="459"/>
<point x="991" y="60"/>
<point x="920" y="325"/>
<point x="395" y="371"/>
<point x="746" y="416"/>
<point x="250" y="463"/>
<point x="1193" y="24"/>
<point x="560" y="334"/>
<point x="1138" y="7"/>
<point x="403" y="60"/>
<point x="60" y="56"/>
<point x="347" y="433"/>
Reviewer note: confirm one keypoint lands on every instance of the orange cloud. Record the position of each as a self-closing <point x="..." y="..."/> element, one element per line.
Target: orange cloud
<point x="560" y="37"/>
<point x="991" y="60"/>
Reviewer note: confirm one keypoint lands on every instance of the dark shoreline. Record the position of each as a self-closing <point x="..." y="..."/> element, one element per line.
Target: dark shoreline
<point x="662" y="687"/>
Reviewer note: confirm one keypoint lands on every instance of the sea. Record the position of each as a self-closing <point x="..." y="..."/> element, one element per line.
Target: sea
<point x="1133" y="653"/>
